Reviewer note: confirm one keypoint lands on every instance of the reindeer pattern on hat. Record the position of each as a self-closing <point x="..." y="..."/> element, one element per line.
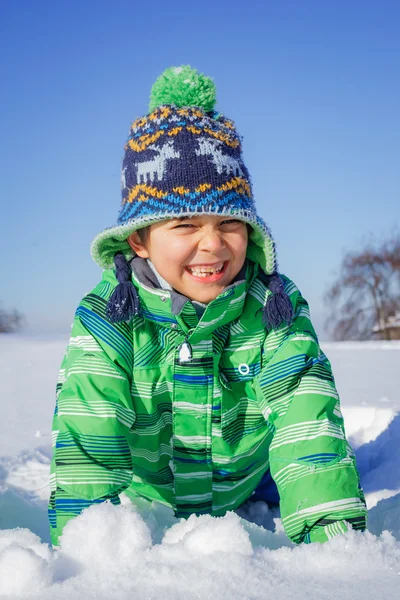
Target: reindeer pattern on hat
<point x="149" y="169"/>
<point x="223" y="162"/>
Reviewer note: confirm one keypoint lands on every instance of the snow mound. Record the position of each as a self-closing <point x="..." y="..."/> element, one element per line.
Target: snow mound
<point x="379" y="465"/>
<point x="207" y="535"/>
<point x="106" y="536"/>
<point x="385" y="516"/>
<point x="25" y="563"/>
<point x="108" y="551"/>
<point x="365" y="424"/>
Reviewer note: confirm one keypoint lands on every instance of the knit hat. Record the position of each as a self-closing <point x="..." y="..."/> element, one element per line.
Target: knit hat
<point x="183" y="159"/>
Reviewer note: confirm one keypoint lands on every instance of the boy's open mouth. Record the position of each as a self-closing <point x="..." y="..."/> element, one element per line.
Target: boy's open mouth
<point x="209" y="272"/>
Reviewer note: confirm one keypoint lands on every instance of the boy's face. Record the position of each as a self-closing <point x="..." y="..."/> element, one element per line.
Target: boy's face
<point x="198" y="256"/>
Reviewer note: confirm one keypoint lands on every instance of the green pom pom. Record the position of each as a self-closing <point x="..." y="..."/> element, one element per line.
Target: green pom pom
<point x="183" y="86"/>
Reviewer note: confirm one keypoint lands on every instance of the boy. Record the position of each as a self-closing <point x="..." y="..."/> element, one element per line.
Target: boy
<point x="193" y="374"/>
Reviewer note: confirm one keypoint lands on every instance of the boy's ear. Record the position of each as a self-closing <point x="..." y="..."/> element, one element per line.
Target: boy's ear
<point x="137" y="245"/>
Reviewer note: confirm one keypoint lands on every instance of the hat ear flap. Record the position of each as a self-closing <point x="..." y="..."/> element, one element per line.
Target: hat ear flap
<point x="123" y="303"/>
<point x="278" y="308"/>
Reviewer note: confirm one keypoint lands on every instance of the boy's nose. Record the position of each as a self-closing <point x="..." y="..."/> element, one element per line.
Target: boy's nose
<point x="211" y="241"/>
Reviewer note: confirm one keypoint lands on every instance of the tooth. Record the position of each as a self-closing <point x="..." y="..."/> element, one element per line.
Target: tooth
<point x="204" y="271"/>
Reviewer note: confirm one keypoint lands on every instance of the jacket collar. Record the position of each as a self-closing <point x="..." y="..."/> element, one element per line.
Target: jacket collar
<point x="173" y="310"/>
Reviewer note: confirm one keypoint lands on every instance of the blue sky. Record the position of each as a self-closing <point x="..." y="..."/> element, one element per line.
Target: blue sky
<point x="313" y="87"/>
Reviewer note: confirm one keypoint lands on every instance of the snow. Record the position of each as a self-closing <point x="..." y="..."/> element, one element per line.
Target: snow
<point x="143" y="551"/>
<point x="108" y="551"/>
<point x="28" y="367"/>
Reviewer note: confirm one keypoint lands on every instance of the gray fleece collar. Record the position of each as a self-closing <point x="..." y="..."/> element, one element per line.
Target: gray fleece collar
<point x="149" y="277"/>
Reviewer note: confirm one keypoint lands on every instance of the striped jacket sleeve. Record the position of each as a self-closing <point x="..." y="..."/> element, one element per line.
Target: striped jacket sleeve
<point x="310" y="459"/>
<point x="91" y="460"/>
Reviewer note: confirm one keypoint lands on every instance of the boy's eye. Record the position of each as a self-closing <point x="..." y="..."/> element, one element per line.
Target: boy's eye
<point x="226" y="222"/>
<point x="232" y="222"/>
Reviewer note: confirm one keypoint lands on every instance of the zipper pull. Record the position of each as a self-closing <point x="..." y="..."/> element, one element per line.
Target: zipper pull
<point x="224" y="381"/>
<point x="185" y="352"/>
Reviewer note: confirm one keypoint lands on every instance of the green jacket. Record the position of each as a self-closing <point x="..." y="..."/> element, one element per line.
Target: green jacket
<point x="199" y="435"/>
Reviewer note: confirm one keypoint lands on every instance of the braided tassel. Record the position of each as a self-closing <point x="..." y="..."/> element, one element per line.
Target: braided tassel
<point x="278" y="308"/>
<point x="123" y="303"/>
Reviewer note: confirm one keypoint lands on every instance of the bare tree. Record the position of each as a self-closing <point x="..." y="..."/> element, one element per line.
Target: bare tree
<point x="10" y="320"/>
<point x="364" y="301"/>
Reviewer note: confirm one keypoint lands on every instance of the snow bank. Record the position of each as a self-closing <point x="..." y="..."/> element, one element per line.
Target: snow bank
<point x="379" y="465"/>
<point x="385" y="516"/>
<point x="365" y="423"/>
<point x="110" y="551"/>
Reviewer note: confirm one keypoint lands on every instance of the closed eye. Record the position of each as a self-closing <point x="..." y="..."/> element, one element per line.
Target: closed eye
<point x="181" y="225"/>
<point x="226" y="222"/>
<point x="232" y="221"/>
